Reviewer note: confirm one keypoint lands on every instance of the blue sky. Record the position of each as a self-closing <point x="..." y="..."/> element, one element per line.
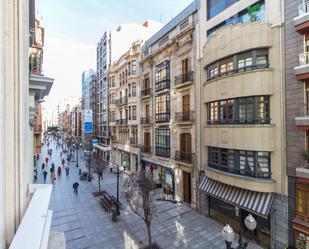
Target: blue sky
<point x="73" y="27"/>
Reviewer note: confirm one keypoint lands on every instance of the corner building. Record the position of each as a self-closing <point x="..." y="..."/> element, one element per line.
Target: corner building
<point x="297" y="113"/>
<point x="242" y="118"/>
<point x="167" y="107"/>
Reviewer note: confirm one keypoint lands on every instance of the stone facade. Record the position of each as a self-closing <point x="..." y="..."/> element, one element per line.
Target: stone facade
<point x="167" y="107"/>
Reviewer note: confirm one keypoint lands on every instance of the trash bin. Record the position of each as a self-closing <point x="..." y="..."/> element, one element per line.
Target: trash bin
<point x="114" y="214"/>
<point x="80" y="171"/>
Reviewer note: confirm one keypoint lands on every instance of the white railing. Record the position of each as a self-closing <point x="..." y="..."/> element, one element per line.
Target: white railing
<point x="303" y="8"/>
<point x="33" y="231"/>
<point x="304" y="59"/>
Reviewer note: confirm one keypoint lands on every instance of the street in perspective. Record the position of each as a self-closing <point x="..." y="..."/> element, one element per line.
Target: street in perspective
<point x="167" y="124"/>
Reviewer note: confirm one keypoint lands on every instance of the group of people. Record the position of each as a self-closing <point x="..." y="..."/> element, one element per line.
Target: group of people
<point x="45" y="164"/>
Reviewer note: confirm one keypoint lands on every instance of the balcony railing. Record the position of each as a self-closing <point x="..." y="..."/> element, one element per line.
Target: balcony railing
<point x="123" y="121"/>
<point x="146" y="149"/>
<point x="184" y="78"/>
<point x="304" y="59"/>
<point x="163" y="151"/>
<point x="187" y="157"/>
<point x="163" y="84"/>
<point x="133" y="140"/>
<point x="303" y="8"/>
<point x="146" y="120"/>
<point x="122" y="101"/>
<point x="185" y="116"/>
<point x="163" y="117"/>
<point x="145" y="92"/>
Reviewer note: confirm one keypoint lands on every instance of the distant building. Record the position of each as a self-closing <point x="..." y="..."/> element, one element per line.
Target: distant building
<point x="87" y="77"/>
<point x="111" y="46"/>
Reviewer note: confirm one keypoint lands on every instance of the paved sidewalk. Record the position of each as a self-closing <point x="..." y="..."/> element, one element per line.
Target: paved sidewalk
<point x="87" y="225"/>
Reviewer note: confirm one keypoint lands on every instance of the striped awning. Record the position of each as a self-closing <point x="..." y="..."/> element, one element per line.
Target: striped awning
<point x="252" y="201"/>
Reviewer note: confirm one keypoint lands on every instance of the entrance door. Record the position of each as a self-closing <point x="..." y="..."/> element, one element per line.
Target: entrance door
<point x="147" y="142"/>
<point x="186" y="187"/>
<point x="186" y="107"/>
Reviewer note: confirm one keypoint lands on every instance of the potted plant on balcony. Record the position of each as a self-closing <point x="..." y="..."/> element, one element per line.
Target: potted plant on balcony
<point x="252" y="12"/>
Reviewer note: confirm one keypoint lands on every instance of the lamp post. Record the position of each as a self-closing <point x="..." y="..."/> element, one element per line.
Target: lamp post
<point x="77" y="149"/>
<point x="228" y="233"/>
<point x="118" y="172"/>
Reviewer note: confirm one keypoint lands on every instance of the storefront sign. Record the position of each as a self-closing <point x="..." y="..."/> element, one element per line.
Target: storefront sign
<point x="88" y="121"/>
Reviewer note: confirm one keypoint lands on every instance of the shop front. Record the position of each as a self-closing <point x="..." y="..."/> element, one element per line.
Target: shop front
<point x="231" y="205"/>
<point x="162" y="174"/>
<point x="301" y="221"/>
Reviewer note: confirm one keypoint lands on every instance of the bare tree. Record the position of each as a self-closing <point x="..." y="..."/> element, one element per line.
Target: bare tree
<point x="98" y="166"/>
<point x="138" y="190"/>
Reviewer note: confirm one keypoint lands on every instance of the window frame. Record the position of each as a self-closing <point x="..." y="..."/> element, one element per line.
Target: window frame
<point x="162" y="142"/>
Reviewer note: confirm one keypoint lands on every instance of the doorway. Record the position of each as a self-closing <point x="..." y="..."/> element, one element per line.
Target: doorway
<point x="186" y="187"/>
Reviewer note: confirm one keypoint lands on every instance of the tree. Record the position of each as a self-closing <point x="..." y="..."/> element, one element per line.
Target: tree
<point x="98" y="166"/>
<point x="138" y="190"/>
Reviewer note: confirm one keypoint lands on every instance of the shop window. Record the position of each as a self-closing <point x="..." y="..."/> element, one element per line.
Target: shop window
<point x="302" y="200"/>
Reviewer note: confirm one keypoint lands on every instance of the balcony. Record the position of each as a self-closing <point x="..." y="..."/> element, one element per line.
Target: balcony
<point x="184" y="79"/>
<point x="146" y="149"/>
<point x="301" y="22"/>
<point x="162" y="85"/>
<point x="146" y="92"/>
<point x="163" y="117"/>
<point x="133" y="140"/>
<point x="146" y="121"/>
<point x="123" y="121"/>
<point x="186" y="157"/>
<point x="122" y="101"/>
<point x="302" y="120"/>
<point x="302" y="71"/>
<point x="303" y="169"/>
<point x="185" y="117"/>
<point x="114" y="138"/>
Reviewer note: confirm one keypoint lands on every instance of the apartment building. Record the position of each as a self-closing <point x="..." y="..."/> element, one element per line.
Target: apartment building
<point x="123" y="107"/>
<point x="297" y="124"/>
<point x="110" y="48"/>
<point x="167" y="107"/>
<point x="242" y="117"/>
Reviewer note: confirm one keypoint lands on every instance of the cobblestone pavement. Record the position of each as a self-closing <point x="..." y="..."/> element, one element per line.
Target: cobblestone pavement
<point x="87" y="225"/>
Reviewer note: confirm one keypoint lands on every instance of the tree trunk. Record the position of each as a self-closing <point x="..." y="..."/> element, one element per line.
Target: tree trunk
<point x="99" y="183"/>
<point x="149" y="237"/>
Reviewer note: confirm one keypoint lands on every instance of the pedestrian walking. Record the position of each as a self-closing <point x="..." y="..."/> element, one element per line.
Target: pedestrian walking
<point x="52" y="169"/>
<point x="53" y="177"/>
<point x="59" y="171"/>
<point x="43" y="166"/>
<point x="35" y="175"/>
<point x="45" y="175"/>
<point x="67" y="170"/>
<point x="63" y="162"/>
<point x="75" y="187"/>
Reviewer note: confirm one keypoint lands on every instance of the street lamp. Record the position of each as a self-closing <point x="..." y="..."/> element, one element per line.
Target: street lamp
<point x="118" y="172"/>
<point x="228" y="233"/>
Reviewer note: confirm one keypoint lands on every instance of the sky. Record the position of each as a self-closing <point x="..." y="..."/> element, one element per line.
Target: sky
<point x="73" y="28"/>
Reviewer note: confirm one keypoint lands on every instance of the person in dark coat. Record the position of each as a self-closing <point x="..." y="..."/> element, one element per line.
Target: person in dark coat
<point x="45" y="175"/>
<point x="75" y="187"/>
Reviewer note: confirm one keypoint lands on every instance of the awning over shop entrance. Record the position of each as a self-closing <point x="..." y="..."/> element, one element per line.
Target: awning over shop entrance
<point x="252" y="201"/>
<point x="102" y="148"/>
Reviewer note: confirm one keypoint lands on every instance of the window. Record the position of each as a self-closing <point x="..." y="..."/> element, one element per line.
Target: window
<point x="162" y="75"/>
<point x="163" y="142"/>
<point x="129" y="112"/>
<point x="302" y="200"/>
<point x="133" y="67"/>
<point x="134" y="112"/>
<point x="247" y="110"/>
<point x="252" y="60"/>
<point x="214" y="7"/>
<point x="242" y="162"/>
<point x="133" y="89"/>
<point x="163" y="108"/>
